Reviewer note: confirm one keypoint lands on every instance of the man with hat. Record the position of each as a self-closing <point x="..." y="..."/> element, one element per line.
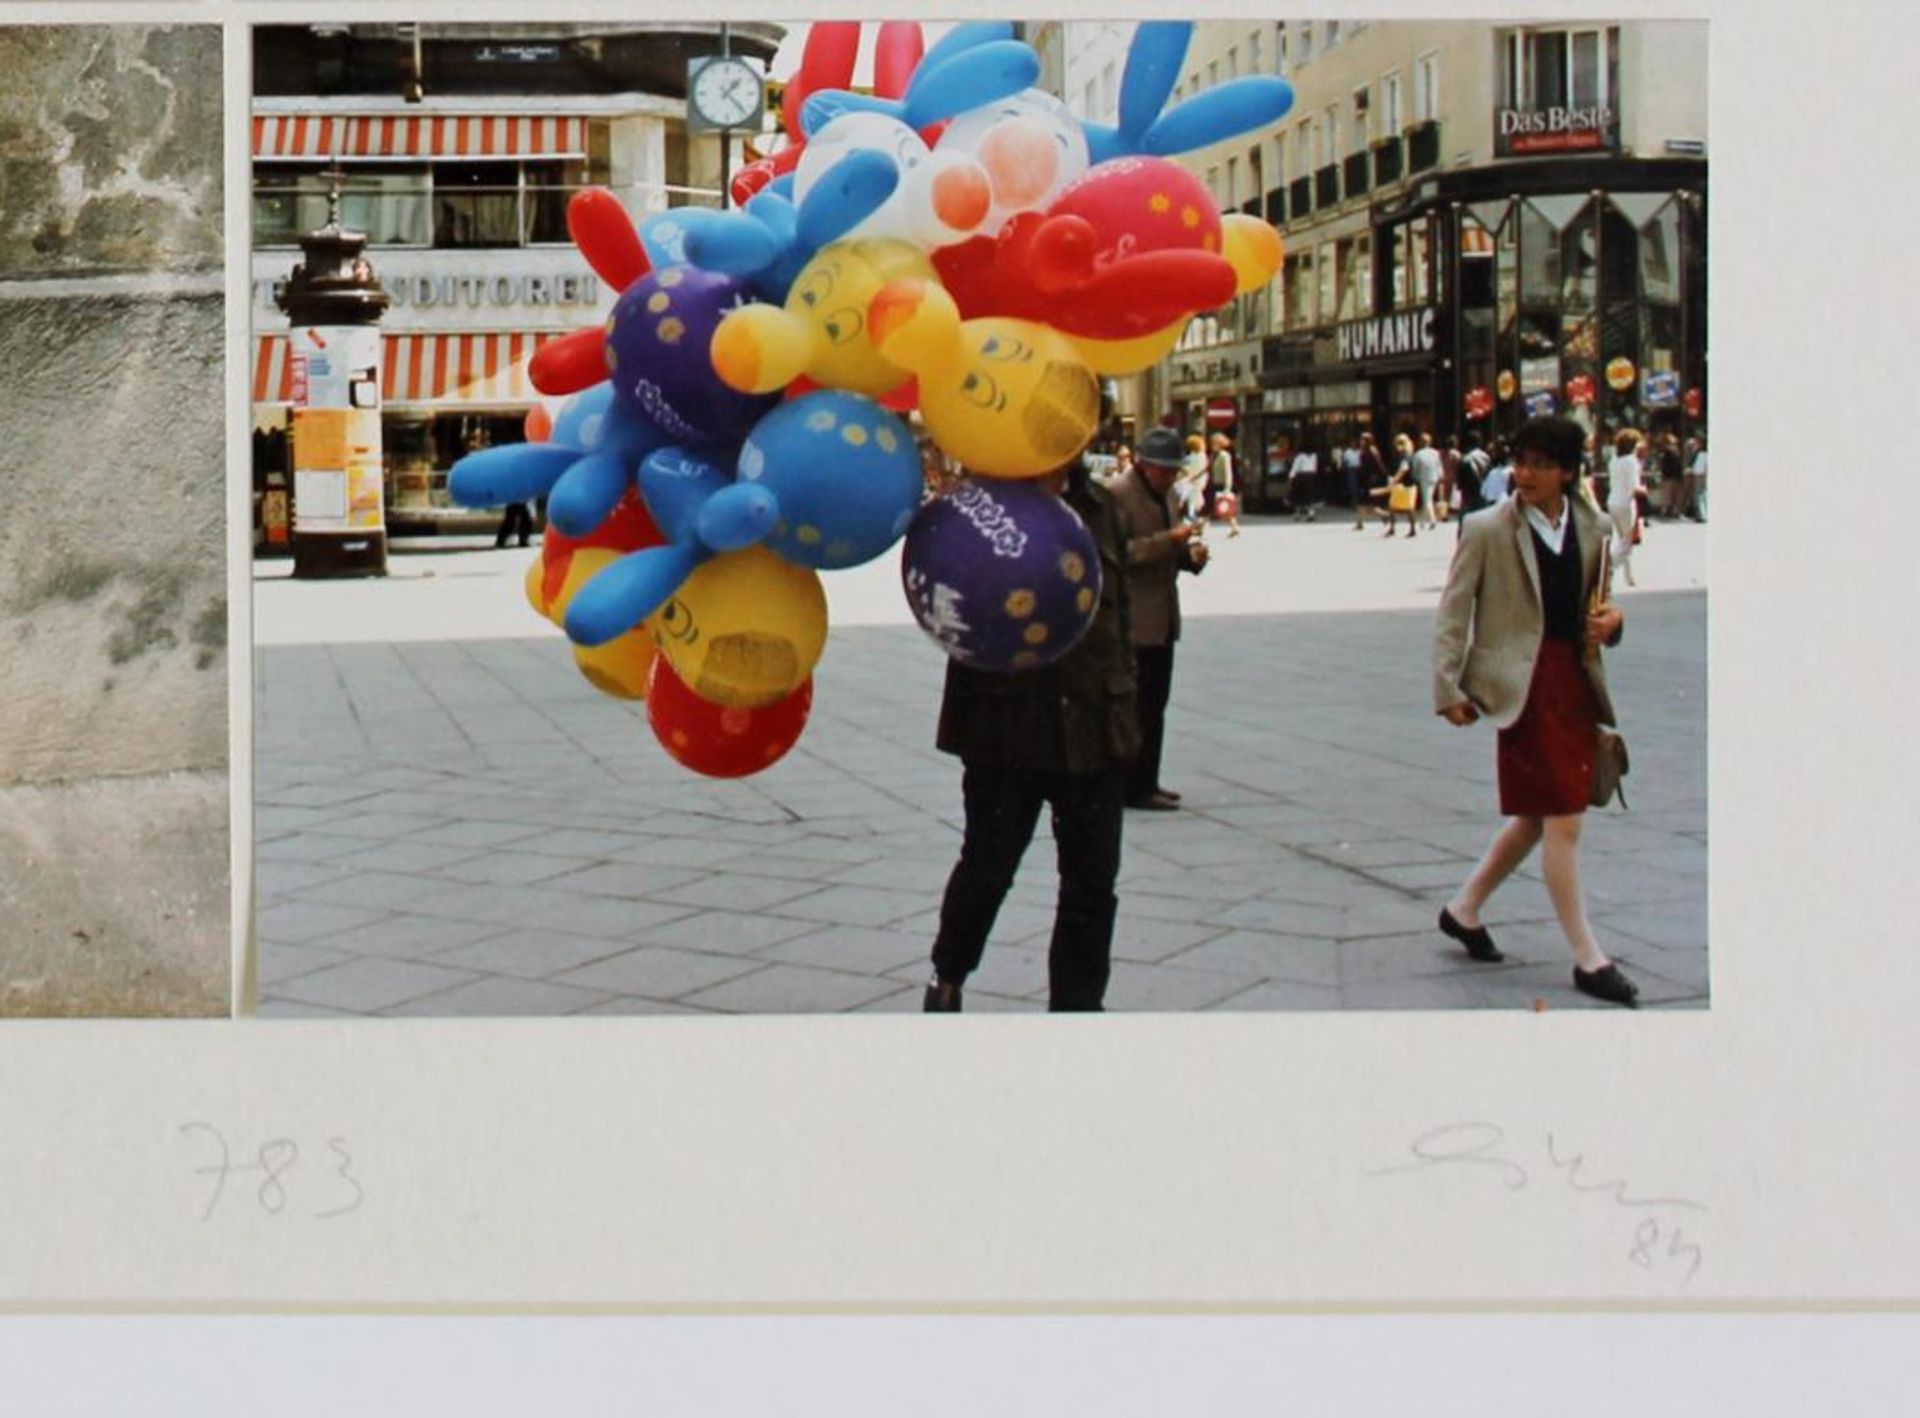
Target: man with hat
<point x="1160" y="545"/>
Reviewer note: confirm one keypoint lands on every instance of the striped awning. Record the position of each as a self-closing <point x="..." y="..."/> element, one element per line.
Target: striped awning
<point x="417" y="135"/>
<point x="431" y="369"/>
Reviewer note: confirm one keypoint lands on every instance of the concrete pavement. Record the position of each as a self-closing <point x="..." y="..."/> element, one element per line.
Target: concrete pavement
<point x="450" y="821"/>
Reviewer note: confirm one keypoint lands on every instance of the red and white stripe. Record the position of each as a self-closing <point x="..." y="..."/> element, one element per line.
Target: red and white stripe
<point x="417" y="135"/>
<point x="483" y="367"/>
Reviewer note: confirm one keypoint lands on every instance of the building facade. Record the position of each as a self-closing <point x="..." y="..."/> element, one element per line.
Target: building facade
<point x="458" y="149"/>
<point x="1482" y="222"/>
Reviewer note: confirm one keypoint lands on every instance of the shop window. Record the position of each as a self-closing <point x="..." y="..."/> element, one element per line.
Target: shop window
<point x="1353" y="259"/>
<point x="550" y="187"/>
<point x="1299" y="283"/>
<point x="1327" y="301"/>
<point x="476" y="204"/>
<point x="1660" y="255"/>
<point x="388" y="203"/>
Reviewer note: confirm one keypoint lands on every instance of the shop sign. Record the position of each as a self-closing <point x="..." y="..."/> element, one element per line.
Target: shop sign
<point x="1538" y="404"/>
<point x="1506" y="384"/>
<point x="1620" y="373"/>
<point x="1222" y="413"/>
<point x="1693" y="403"/>
<point x="1540" y="375"/>
<point x="1580" y="391"/>
<point x="1405" y="333"/>
<point x="1661" y="388"/>
<point x="475" y="291"/>
<point x="1479" y="401"/>
<point x="1556" y="129"/>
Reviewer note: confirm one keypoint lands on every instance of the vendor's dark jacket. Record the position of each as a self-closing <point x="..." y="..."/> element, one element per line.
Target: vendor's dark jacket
<point x="1075" y="715"/>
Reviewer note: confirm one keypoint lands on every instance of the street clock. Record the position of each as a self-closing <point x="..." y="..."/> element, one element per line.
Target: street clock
<point x="723" y="91"/>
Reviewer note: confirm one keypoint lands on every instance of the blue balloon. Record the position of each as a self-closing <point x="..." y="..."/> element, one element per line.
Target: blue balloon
<point x="732" y="243"/>
<point x="736" y="516"/>
<point x="963" y="37"/>
<point x="847" y="194"/>
<point x="822" y="107"/>
<point x="1153" y="68"/>
<point x="579" y="422"/>
<point x="675" y="483"/>
<point x="1236" y="107"/>
<point x="584" y="495"/>
<point x="976" y="76"/>
<point x="513" y="472"/>
<point x="845" y="473"/>
<point x="628" y="591"/>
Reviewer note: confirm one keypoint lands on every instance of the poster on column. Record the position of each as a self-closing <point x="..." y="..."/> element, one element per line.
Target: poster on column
<point x="336" y="428"/>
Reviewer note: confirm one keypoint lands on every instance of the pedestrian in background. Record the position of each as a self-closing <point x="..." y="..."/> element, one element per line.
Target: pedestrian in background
<point x="515" y="519"/>
<point x="1401" y="493"/>
<point x="1624" y="486"/>
<point x="1666" y="454"/>
<point x="1517" y="640"/>
<point x="1499" y="481"/>
<point x="1222" y="494"/>
<point x="1427" y="471"/>
<point x="1697" y="483"/>
<point x="1469" y="483"/>
<point x="1364" y="472"/>
<point x="1302" y="479"/>
<point x="1160" y="545"/>
<point x="1061" y="735"/>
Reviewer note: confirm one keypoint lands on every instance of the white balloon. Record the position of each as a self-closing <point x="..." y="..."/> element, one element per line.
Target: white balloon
<point x="1030" y="146"/>
<point x="941" y="198"/>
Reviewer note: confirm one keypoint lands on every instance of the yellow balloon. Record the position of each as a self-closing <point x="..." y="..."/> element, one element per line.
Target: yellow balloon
<point x="1128" y="356"/>
<point x="620" y="666"/>
<point x="1004" y="398"/>
<point x="587" y="563"/>
<point x="1253" y="248"/>
<point x="745" y="629"/>
<point x="537" y="586"/>
<point x="821" y="332"/>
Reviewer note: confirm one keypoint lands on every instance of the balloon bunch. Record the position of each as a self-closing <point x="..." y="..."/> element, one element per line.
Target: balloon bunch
<point x="956" y="243"/>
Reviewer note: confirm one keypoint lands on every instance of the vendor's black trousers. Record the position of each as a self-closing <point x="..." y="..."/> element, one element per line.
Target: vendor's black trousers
<point x="1153" y="678"/>
<point x="1002" y="808"/>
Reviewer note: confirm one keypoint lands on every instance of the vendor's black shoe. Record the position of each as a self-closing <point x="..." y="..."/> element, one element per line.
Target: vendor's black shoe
<point x="1155" y="801"/>
<point x="1475" y="939"/>
<point x="1607" y="983"/>
<point x="940" y="998"/>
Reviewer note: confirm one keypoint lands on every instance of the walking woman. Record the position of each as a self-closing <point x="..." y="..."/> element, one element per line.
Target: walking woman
<point x="1624" y="485"/>
<point x="1402" y="493"/>
<point x="1517" y="640"/>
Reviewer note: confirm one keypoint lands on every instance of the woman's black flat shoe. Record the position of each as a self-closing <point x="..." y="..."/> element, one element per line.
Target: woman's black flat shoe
<point x="940" y="998"/>
<point x="1607" y="983"/>
<point x="1475" y="938"/>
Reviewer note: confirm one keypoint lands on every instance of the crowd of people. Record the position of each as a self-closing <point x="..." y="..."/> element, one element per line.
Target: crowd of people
<point x="1518" y="638"/>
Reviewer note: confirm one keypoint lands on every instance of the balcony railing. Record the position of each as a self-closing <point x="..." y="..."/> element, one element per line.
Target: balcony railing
<point x="1326" y="186"/>
<point x="1389" y="161"/>
<point x="1299" y="198"/>
<point x="1357" y="174"/>
<point x="1423" y="146"/>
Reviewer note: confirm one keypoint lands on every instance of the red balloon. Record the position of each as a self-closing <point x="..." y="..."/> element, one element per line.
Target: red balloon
<point x="832" y="49"/>
<point x="604" y="232"/>
<point x="897" y="52"/>
<point x="573" y="362"/>
<point x="716" y="739"/>
<point x="1127" y="250"/>
<point x="538" y="424"/>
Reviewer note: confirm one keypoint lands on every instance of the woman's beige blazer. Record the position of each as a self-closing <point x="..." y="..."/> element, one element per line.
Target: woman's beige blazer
<point x="1488" y="632"/>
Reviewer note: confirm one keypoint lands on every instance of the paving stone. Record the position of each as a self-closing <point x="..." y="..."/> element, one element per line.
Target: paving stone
<point x="1263" y="955"/>
<point x="725" y="932"/>
<point x="404" y="856"/>
<point x="381" y="825"/>
<point x="610" y="879"/>
<point x="284" y="962"/>
<point x="658" y="972"/>
<point x="857" y="949"/>
<point x="738" y="892"/>
<point x="273" y="1007"/>
<point x="403" y="936"/>
<point x="1147" y="940"/>
<point x="793" y="989"/>
<point x="369" y="986"/>
<point x="635" y="1005"/>
<point x="855" y="906"/>
<point x="275" y="880"/>
<point x="1140" y="987"/>
<point x="684" y="852"/>
<point x="497" y="997"/>
<point x="1279" y="995"/>
<point x="298" y="922"/>
<point x="369" y="889"/>
<point x="308" y="847"/>
<point x="533" y="955"/>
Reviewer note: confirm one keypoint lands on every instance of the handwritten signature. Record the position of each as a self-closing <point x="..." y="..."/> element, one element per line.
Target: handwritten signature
<point x="1484" y="1146"/>
<point x="274" y="1162"/>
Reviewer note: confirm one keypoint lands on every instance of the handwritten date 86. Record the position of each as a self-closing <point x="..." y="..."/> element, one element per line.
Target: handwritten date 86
<point x="1658" y="1240"/>
<point x="324" y="1190"/>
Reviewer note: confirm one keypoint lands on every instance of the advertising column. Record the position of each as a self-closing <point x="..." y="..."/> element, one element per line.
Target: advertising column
<point x="334" y="305"/>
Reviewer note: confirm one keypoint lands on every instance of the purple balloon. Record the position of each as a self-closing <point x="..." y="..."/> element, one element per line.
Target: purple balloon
<point x="657" y="343"/>
<point x="1003" y="574"/>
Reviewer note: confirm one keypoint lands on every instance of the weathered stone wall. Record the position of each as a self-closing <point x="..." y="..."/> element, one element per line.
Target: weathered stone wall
<point x="113" y="590"/>
<point x="112" y="567"/>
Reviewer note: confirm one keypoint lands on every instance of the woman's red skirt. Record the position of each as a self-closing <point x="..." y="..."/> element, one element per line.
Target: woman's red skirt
<point x="1545" y="759"/>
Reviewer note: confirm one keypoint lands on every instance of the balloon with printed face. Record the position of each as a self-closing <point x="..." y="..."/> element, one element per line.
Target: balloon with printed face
<point x="744" y="629"/>
<point x="844" y="473"/>
<point x="657" y="341"/>
<point x="619" y="667"/>
<point x="821" y="332"/>
<point x="1003" y="575"/>
<point x="1005" y="398"/>
<point x="937" y="201"/>
<point x="1029" y="145"/>
<point x="719" y="740"/>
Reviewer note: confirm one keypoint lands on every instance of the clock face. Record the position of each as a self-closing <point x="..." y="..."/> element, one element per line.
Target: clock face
<point x="726" y="92"/>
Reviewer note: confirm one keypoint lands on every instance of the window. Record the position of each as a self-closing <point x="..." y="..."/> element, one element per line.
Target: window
<point x="1333" y="33"/>
<point x="1392" y="115"/>
<point x="1087" y="109"/>
<point x="1298" y="302"/>
<point x="1303" y="164"/>
<point x="1233" y="62"/>
<point x="1232" y="196"/>
<point x="1280" y="48"/>
<point x="1426" y="88"/>
<point x="388" y="203"/>
<point x="1256" y="172"/>
<point x="1555" y="69"/>
<point x="1327" y="288"/>
<point x="1213" y="73"/>
<point x="1353" y="260"/>
<point x="1253" y="52"/>
<point x="1303" y="46"/>
<point x="1362" y="132"/>
<point x="476" y="204"/>
<point x="1330" y="136"/>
